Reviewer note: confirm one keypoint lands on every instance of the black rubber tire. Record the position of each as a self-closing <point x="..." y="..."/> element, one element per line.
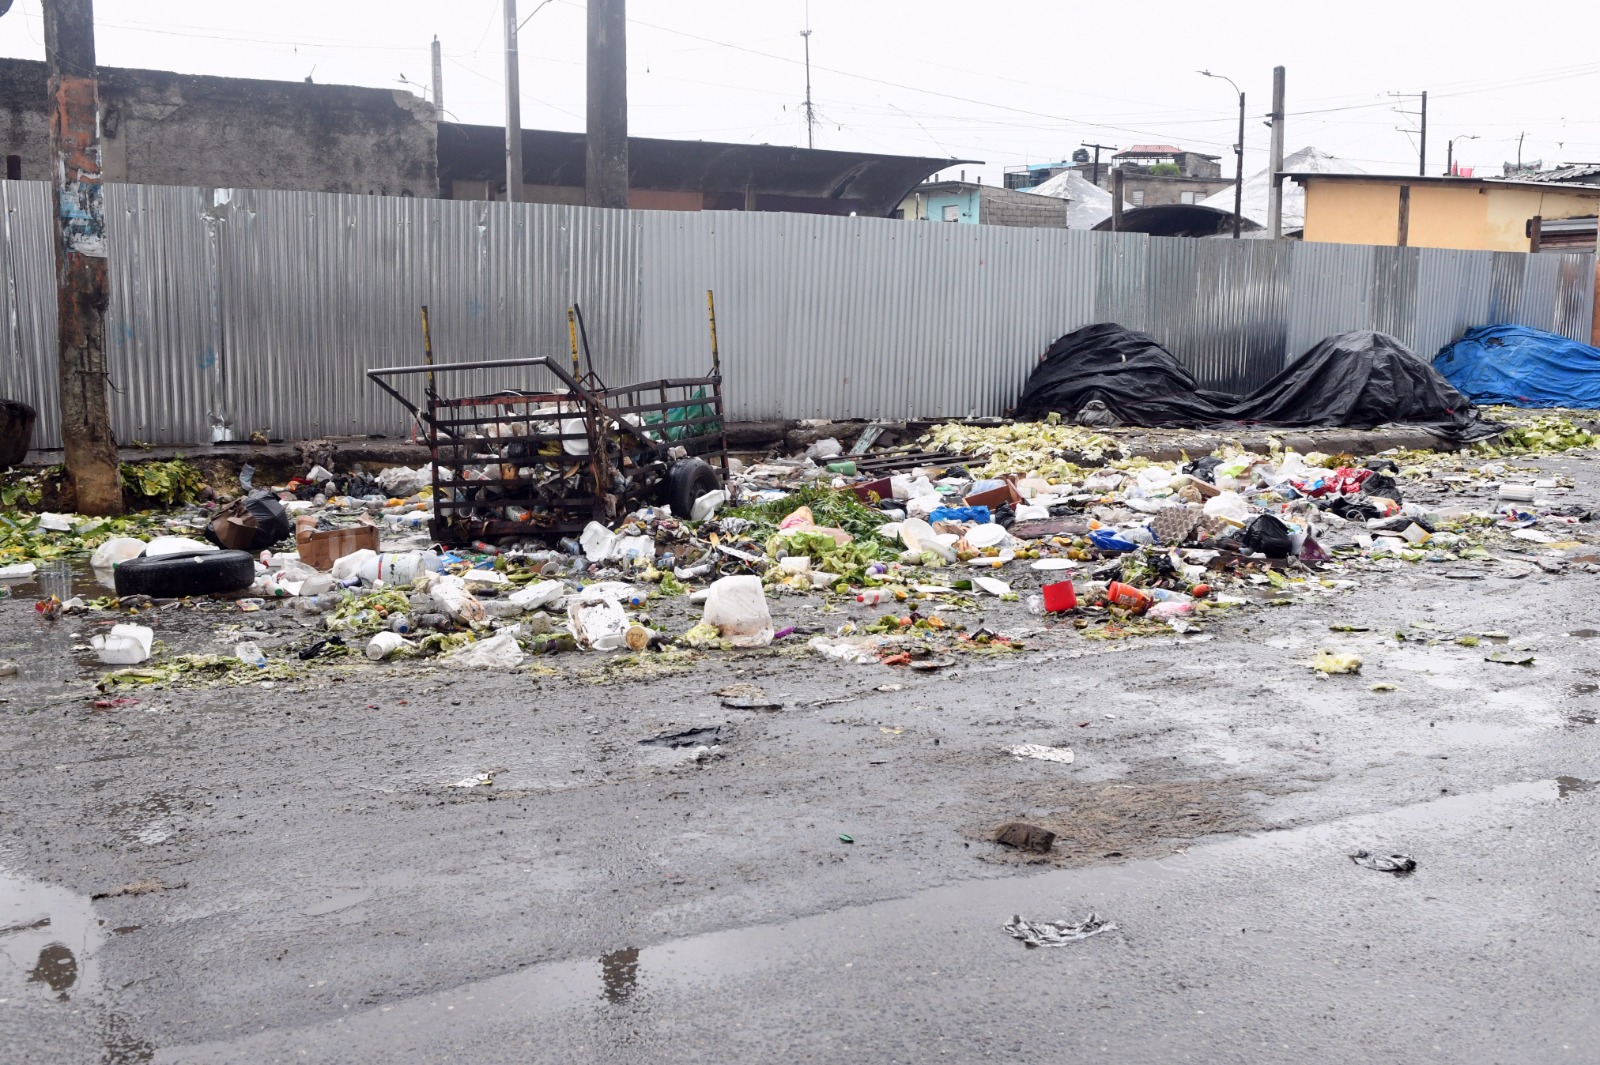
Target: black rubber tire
<point x="688" y="481"/>
<point x="187" y="573"/>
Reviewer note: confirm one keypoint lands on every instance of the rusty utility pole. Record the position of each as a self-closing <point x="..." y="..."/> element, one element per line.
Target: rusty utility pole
<point x="82" y="289"/>
<point x="606" y="167"/>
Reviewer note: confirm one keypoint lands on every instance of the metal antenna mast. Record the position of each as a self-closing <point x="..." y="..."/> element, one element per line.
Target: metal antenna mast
<point x="811" y="111"/>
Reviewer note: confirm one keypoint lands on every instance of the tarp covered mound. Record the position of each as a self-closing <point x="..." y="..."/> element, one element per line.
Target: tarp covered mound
<point x="1362" y="380"/>
<point x="1358" y="380"/>
<point x="1522" y="367"/>
<point x="1130" y="372"/>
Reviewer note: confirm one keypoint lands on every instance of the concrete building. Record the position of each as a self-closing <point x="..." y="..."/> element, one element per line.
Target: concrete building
<point x="1486" y="214"/>
<point x="974" y="204"/>
<point x="162" y="128"/>
<point x="1155" y="174"/>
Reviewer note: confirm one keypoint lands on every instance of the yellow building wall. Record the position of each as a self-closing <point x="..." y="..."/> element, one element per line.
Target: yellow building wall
<point x="1443" y="217"/>
<point x="1340" y="213"/>
<point x="1469" y="216"/>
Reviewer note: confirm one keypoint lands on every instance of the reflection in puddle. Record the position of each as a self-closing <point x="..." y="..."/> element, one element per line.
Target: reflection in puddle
<point x="57" y="969"/>
<point x="47" y="938"/>
<point x="619" y="973"/>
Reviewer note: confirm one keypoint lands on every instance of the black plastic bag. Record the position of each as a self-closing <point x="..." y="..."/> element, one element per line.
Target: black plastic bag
<point x="1351" y="508"/>
<point x="1204" y="469"/>
<point x="1381" y="484"/>
<point x="252" y="524"/>
<point x="1266" y="535"/>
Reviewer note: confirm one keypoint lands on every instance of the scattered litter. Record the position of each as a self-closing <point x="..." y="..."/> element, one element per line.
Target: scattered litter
<point x="124" y="645"/>
<point x="1510" y="658"/>
<point x="150" y="886"/>
<point x="1330" y="662"/>
<point x="1399" y="864"/>
<point x="1056" y="933"/>
<point x="476" y="780"/>
<point x="1043" y="753"/>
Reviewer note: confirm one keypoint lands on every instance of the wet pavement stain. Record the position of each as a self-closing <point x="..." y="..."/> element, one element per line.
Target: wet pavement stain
<point x="619" y="974"/>
<point x="1566" y="786"/>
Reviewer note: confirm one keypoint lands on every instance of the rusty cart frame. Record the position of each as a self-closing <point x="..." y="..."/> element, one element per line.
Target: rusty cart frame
<point x="544" y="460"/>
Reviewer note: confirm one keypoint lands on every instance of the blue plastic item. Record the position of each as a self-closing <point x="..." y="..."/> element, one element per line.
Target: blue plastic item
<point x="977" y="514"/>
<point x="1522" y="367"/>
<point x="1106" y="540"/>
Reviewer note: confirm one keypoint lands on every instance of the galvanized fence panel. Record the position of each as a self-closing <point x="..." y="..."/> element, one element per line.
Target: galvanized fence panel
<point x="262" y="310"/>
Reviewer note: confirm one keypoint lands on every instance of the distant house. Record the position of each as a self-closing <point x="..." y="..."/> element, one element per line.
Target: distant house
<point x="1486" y="214"/>
<point x="973" y="204"/>
<point x="1154" y="174"/>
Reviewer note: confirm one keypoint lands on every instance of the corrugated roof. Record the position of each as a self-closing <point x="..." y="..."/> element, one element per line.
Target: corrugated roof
<point x="1258" y="187"/>
<point x="1088" y="205"/>
<point x="1149" y="149"/>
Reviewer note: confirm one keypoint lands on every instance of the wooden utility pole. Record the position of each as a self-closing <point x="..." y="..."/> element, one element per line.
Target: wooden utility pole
<point x="82" y="289"/>
<point x="1117" y="179"/>
<point x="606" y="165"/>
<point x="1095" y="179"/>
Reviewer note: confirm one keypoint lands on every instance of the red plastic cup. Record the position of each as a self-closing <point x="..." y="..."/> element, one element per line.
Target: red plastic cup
<point x="1059" y="597"/>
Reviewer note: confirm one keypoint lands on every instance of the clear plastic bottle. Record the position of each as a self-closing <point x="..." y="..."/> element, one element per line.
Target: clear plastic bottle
<point x="249" y="652"/>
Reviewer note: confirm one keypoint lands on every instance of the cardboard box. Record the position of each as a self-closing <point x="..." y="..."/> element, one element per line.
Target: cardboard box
<point x="320" y="550"/>
<point x="881" y="487"/>
<point x="995" y="498"/>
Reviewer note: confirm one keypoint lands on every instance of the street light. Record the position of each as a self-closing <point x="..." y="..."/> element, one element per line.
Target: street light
<point x="1450" y="152"/>
<point x="1238" y="151"/>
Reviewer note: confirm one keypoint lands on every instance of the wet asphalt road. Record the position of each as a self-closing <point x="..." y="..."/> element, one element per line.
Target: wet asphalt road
<point x="328" y="899"/>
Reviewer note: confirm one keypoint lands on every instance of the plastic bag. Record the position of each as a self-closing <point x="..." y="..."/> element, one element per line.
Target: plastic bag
<point x="174" y="545"/>
<point x="497" y="652"/>
<point x="737" y="606"/>
<point x="1229" y="505"/>
<point x="115" y="550"/>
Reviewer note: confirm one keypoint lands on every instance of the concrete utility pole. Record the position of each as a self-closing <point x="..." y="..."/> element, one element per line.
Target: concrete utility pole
<point x="82" y="290"/>
<point x="1275" y="157"/>
<point x="1095" y="180"/>
<point x="606" y="170"/>
<point x="1422" y="139"/>
<point x="438" y="81"/>
<point x="513" y="108"/>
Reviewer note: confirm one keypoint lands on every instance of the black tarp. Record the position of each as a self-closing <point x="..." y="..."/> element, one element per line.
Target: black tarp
<point x="1357" y="380"/>
<point x="1137" y="379"/>
<point x="1362" y="380"/>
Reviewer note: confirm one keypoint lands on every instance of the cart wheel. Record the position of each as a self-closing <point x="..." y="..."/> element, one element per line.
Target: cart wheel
<point x="688" y="481"/>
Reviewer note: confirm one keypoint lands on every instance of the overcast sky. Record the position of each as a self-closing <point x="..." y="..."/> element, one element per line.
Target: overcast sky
<point x="1003" y="83"/>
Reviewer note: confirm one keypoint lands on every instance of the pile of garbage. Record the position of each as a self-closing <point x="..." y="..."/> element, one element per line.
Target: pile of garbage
<point x="914" y="562"/>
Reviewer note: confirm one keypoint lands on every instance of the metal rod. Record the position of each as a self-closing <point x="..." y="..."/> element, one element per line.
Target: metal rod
<point x="572" y="338"/>
<point x="583" y="335"/>
<point x="716" y="354"/>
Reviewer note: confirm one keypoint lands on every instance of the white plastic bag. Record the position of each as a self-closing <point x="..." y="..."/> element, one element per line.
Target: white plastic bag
<point x="497" y="652"/>
<point x="349" y="567"/>
<point x="401" y="481"/>
<point x="173" y="545"/>
<point x="124" y="645"/>
<point x="1228" y="505"/>
<point x="823" y="450"/>
<point x="115" y="550"/>
<point x="737" y="606"/>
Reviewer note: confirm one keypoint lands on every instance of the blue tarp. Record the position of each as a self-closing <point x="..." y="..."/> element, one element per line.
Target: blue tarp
<point x="1522" y="367"/>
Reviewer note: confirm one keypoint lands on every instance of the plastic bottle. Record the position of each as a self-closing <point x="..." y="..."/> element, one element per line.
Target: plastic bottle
<point x="1036" y="605"/>
<point x="431" y="621"/>
<point x="874" y="596"/>
<point x="401" y="623"/>
<point x="250" y="654"/>
<point x="385" y="644"/>
<point x="251" y="605"/>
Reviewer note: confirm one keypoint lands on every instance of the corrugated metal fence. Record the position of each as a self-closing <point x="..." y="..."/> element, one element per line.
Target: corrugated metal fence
<point x="263" y="309"/>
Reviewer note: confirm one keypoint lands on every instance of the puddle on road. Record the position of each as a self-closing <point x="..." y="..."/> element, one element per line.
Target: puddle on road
<point x="588" y="992"/>
<point x="48" y="937"/>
